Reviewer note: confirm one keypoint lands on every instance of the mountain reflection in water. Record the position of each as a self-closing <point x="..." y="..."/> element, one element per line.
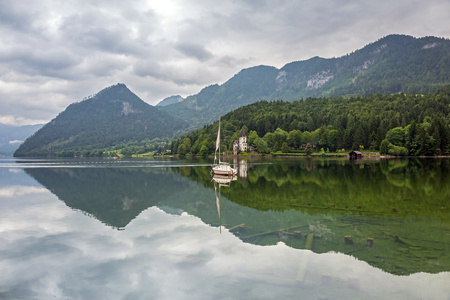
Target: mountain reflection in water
<point x="393" y="214"/>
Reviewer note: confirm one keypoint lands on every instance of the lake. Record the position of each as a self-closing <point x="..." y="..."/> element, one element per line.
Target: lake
<point x="283" y="228"/>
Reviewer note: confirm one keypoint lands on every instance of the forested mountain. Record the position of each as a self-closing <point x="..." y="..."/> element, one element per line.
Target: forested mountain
<point x="397" y="124"/>
<point x="111" y="117"/>
<point x="12" y="136"/>
<point x="393" y="64"/>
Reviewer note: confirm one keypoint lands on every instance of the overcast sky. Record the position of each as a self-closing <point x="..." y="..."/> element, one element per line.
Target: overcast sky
<point x="54" y="53"/>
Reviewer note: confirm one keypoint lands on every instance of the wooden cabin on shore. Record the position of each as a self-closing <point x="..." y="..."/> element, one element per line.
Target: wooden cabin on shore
<point x="355" y="155"/>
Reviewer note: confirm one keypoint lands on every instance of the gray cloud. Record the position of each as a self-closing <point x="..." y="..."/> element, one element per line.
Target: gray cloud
<point x="53" y="53"/>
<point x="193" y="50"/>
<point x="14" y="15"/>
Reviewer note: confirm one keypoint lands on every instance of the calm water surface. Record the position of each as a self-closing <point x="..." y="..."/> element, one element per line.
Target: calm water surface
<point x="163" y="229"/>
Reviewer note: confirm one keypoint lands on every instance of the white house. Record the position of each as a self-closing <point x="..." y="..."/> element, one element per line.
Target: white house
<point x="241" y="144"/>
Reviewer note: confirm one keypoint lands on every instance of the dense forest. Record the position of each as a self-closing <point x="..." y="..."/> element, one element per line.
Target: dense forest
<point x="397" y="124"/>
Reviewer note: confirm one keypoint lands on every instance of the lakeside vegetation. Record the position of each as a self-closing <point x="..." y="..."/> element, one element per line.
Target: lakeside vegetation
<point x="398" y="124"/>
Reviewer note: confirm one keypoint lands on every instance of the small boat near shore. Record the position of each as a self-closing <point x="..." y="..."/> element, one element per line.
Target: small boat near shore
<point x="219" y="167"/>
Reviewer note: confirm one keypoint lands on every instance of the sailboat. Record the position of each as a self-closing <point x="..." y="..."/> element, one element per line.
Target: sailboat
<point x="219" y="167"/>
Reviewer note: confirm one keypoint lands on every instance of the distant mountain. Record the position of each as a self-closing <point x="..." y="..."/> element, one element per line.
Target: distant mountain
<point x="12" y="136"/>
<point x="170" y="100"/>
<point x="113" y="116"/>
<point x="396" y="63"/>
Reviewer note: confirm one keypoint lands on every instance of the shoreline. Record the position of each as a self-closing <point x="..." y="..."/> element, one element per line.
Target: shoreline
<point x="372" y="155"/>
<point x="368" y="155"/>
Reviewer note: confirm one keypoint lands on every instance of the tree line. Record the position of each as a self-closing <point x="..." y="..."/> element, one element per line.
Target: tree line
<point x="397" y="124"/>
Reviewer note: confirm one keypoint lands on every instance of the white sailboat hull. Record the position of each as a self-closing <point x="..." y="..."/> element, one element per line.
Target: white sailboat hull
<point x="224" y="169"/>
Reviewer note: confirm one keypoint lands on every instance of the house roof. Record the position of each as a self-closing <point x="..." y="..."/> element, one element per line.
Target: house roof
<point x="242" y="133"/>
<point x="356" y="152"/>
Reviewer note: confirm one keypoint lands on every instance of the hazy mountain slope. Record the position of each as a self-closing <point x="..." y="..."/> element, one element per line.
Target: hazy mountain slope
<point x="170" y="100"/>
<point x="12" y="136"/>
<point x="216" y="100"/>
<point x="114" y="115"/>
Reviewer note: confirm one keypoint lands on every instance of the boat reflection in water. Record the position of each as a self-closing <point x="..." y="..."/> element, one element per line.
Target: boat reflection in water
<point x="219" y="181"/>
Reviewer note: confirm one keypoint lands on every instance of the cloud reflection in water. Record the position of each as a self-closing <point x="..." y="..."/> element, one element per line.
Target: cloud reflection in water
<point x="48" y="250"/>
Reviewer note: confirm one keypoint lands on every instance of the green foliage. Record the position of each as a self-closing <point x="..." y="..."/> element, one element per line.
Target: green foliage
<point x="396" y="136"/>
<point x="276" y="147"/>
<point x="284" y="148"/>
<point x="261" y="145"/>
<point x="384" y="147"/>
<point x="397" y="150"/>
<point x="252" y="136"/>
<point x="204" y="151"/>
<point x="308" y="149"/>
<point x="181" y="150"/>
<point x="417" y="123"/>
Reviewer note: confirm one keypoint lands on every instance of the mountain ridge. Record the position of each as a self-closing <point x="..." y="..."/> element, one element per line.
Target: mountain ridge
<point x="395" y="63"/>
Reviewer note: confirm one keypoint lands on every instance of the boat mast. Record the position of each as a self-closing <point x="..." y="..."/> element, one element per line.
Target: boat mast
<point x="218" y="139"/>
<point x="218" y="204"/>
<point x="217" y="144"/>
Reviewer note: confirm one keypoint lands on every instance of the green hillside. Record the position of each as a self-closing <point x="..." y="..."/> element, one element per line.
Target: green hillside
<point x="398" y="124"/>
<point x="113" y="116"/>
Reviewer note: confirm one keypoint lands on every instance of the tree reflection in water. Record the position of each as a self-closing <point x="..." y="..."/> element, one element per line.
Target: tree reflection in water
<point x="394" y="212"/>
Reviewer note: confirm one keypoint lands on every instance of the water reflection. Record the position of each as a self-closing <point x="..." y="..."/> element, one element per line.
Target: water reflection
<point x="397" y="207"/>
<point x="115" y="196"/>
<point x="359" y="209"/>
<point x="242" y="167"/>
<point x="285" y="206"/>
<point x="219" y="182"/>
